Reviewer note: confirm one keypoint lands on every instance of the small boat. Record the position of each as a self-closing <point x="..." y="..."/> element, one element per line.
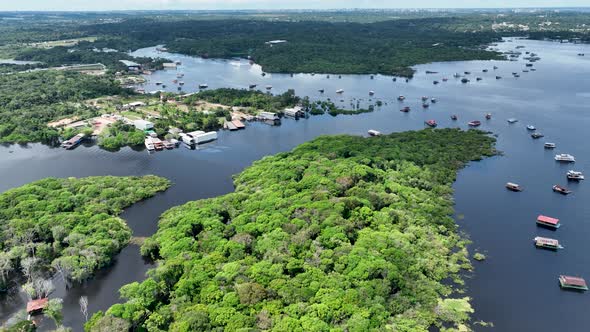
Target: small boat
<point x="445" y="79"/>
<point x="513" y="186"/>
<point x="517" y="75"/>
<point x="424" y="98"/>
<point x="474" y="123"/>
<point x="339" y="91"/>
<point x="168" y="145"/>
<point x="159" y="83"/>
<point x="431" y="123"/>
<point x="321" y="90"/>
<point x="372" y="77"/>
<point x="498" y="77"/>
<point x="562" y="190"/>
<point x="164" y="86"/>
<point x="514" y="73"/>
<point x="148" y="144"/>
<point x="574" y="175"/>
<point x="203" y="86"/>
<point x="488" y="116"/>
<point x="268" y="87"/>
<point x="467" y="73"/>
<point x="565" y="157"/>
<point x="575" y="283"/>
<point x="263" y="74"/>
<point x="531" y="127"/>
<point x="179" y="88"/>
<point x="179" y="75"/>
<point x="433" y="100"/>
<point x="525" y="71"/>
<point x="537" y="135"/>
<point x="529" y="64"/>
<point x="405" y="109"/>
<point x="431" y="72"/>
<point x="485" y="70"/>
<point x="549" y="145"/>
<point x="395" y="79"/>
<point x="401" y="98"/>
<point x="495" y="67"/>
<point x="548" y="222"/>
<point x="435" y="82"/>
<point x="454" y="117"/>
<point x="512" y="120"/>
<point x="373" y="132"/>
<point x="175" y="81"/>
<point x="180" y="83"/>
<point x="464" y="80"/>
<point x="479" y="79"/>
<point x="425" y="105"/>
<point x="547" y="243"/>
<point x="533" y="69"/>
<point x="371" y="93"/>
<point x="252" y="86"/>
<point x="456" y="75"/>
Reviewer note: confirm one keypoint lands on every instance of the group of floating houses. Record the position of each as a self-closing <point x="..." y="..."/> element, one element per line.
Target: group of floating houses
<point x="566" y="282"/>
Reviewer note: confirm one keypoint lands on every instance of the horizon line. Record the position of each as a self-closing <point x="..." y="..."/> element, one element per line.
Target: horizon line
<point x="287" y="9"/>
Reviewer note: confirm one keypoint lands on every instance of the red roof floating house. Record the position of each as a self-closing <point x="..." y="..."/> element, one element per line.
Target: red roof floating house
<point x="548" y="221"/>
<point x="35" y="306"/>
<point x="572" y="282"/>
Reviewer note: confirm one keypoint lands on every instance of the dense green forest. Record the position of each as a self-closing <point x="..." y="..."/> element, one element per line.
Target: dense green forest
<point x="28" y="101"/>
<point x="254" y="99"/>
<point x="341" y="234"/>
<point x="323" y="47"/>
<point x="69" y="226"/>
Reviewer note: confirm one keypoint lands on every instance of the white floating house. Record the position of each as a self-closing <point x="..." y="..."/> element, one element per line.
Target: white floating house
<point x="143" y="125"/>
<point x="294" y="112"/>
<point x="268" y="116"/>
<point x="198" y="137"/>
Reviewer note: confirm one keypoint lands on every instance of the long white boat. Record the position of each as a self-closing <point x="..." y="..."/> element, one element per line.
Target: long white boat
<point x="574" y="175"/>
<point x="565" y="157"/>
<point x="373" y="132"/>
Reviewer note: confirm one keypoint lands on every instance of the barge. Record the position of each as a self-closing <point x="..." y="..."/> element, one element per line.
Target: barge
<point x="575" y="283"/>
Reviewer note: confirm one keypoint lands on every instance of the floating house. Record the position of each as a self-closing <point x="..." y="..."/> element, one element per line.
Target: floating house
<point x="294" y="112"/>
<point x="548" y="222"/>
<point x="268" y="116"/>
<point x="143" y="125"/>
<point x="37" y="306"/>
<point x="73" y="142"/>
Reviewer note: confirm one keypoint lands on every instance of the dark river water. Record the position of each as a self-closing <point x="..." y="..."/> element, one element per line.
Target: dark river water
<point x="516" y="287"/>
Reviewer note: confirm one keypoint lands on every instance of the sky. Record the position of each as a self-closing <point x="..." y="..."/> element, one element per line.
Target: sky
<point x="74" y="5"/>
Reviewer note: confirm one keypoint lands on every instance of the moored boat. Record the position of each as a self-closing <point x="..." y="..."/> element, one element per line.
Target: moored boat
<point x="203" y="86"/>
<point x="340" y="91"/>
<point x="575" y="283"/>
<point x="574" y="175"/>
<point x="531" y="127"/>
<point x="433" y="100"/>
<point x="401" y="98"/>
<point x="548" y="145"/>
<point x="321" y="90"/>
<point x="373" y="132"/>
<point x="474" y="123"/>
<point x="464" y="80"/>
<point x="547" y="243"/>
<point x="371" y="93"/>
<point x="454" y="117"/>
<point x="425" y="105"/>
<point x="424" y="98"/>
<point x="148" y="144"/>
<point x="548" y="222"/>
<point x="498" y="77"/>
<point x="537" y="135"/>
<point x="512" y="120"/>
<point x="565" y="157"/>
<point x="488" y="116"/>
<point x="405" y="109"/>
<point x="513" y="186"/>
<point x="562" y="190"/>
<point x="252" y="86"/>
<point x="431" y="123"/>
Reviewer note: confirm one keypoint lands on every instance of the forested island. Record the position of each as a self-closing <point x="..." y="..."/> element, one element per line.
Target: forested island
<point x="341" y="234"/>
<point x="66" y="226"/>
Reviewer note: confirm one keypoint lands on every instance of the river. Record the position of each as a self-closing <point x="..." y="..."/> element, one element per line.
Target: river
<point x="516" y="287"/>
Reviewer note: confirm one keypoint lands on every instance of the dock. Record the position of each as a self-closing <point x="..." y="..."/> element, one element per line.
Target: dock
<point x="238" y="124"/>
<point x="230" y="125"/>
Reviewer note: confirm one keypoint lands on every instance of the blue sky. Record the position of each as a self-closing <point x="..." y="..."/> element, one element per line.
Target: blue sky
<point x="274" y="4"/>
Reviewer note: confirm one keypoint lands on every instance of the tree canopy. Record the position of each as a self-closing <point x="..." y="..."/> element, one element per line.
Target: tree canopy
<point x="68" y="225"/>
<point x="341" y="234"/>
